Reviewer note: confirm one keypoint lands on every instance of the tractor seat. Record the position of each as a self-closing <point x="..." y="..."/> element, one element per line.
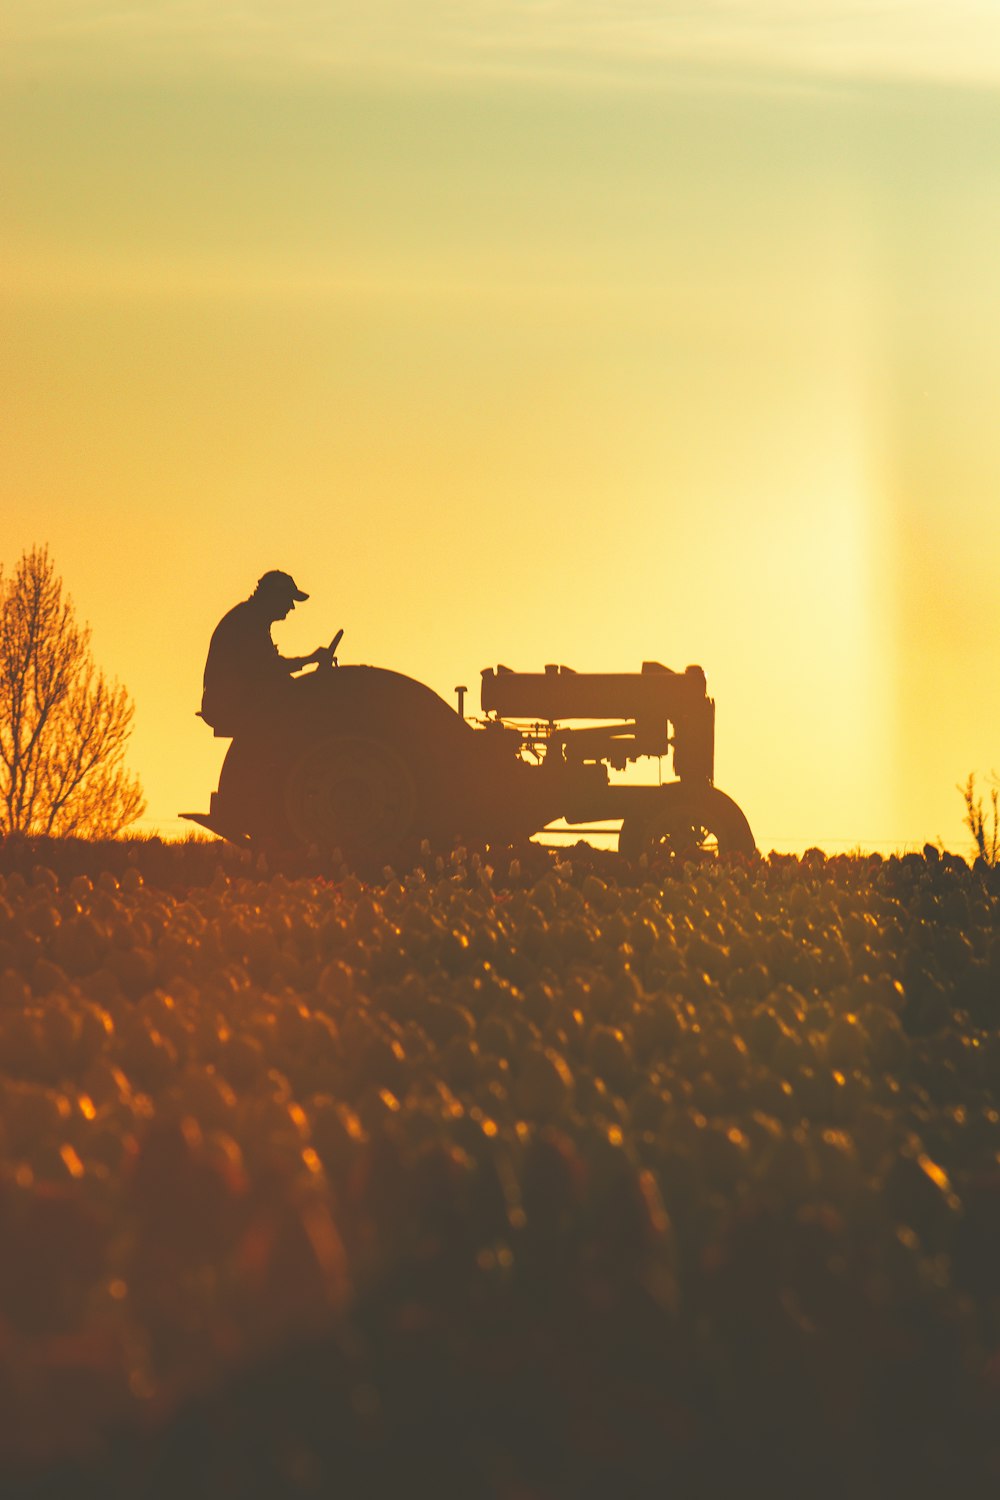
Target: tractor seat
<point x="220" y="734"/>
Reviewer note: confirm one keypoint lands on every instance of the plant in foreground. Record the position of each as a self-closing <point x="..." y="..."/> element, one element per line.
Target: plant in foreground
<point x="984" y="827"/>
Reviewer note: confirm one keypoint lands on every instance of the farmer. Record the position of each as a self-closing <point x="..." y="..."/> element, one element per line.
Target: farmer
<point x="246" y="680"/>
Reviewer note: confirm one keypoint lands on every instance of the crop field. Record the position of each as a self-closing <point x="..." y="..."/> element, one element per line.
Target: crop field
<point x="519" y="1175"/>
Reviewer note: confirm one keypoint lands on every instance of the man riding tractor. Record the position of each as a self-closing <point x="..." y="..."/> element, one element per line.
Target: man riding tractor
<point x="370" y="762"/>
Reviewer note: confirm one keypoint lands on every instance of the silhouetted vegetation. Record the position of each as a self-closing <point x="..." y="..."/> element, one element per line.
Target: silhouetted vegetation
<point x="984" y="826"/>
<point x="63" y="726"/>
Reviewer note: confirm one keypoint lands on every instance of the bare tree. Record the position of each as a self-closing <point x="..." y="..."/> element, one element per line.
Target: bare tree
<point x="63" y="725"/>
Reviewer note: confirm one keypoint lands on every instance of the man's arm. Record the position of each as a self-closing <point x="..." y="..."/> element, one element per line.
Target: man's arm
<point x="296" y="663"/>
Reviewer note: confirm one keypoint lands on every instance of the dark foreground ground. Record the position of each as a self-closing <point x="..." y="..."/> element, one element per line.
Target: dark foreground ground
<point x="518" y="1176"/>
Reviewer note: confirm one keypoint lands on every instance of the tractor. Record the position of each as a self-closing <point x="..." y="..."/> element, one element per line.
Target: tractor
<point x="371" y="763"/>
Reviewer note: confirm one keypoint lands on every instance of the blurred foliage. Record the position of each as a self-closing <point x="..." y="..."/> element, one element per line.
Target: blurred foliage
<point x="509" y="1174"/>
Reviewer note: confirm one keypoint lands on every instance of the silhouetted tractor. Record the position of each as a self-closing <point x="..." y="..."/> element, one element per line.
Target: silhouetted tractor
<point x="371" y="762"/>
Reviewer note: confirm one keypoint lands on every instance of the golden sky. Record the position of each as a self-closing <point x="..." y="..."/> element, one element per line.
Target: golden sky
<point x="526" y="332"/>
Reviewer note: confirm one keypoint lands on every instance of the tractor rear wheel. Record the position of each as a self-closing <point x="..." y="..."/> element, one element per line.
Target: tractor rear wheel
<point x="686" y="825"/>
<point x="350" y="793"/>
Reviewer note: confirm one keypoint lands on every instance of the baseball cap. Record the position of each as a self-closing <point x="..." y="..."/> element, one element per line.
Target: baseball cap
<point x="276" y="582"/>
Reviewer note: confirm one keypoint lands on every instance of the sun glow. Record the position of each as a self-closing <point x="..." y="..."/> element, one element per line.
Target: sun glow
<point x="528" y="367"/>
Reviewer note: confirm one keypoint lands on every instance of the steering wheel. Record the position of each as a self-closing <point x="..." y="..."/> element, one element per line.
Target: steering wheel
<point x="328" y="655"/>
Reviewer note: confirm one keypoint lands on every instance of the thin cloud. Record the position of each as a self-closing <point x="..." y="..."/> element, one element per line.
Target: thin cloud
<point x="567" y="38"/>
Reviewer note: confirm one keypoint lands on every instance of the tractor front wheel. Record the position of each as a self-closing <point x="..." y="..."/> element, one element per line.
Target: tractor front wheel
<point x="686" y="825"/>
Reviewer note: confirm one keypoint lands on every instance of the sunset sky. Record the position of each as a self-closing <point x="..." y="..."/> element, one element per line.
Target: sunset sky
<point x="578" y="330"/>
